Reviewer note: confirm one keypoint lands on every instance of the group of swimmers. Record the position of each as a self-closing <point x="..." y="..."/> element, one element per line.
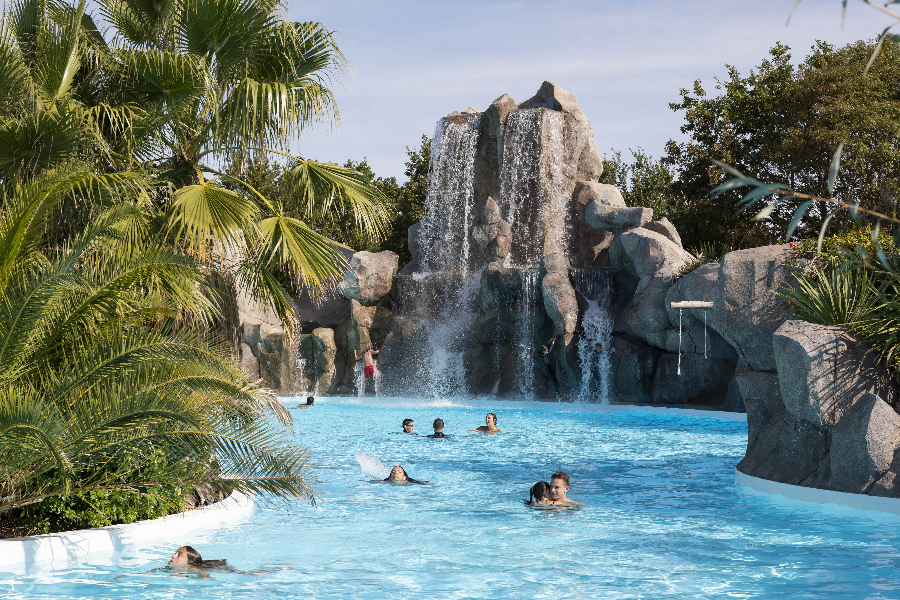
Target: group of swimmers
<point x="490" y="426"/>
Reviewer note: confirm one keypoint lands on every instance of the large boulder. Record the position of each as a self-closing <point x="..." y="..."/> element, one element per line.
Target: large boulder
<point x="761" y="398"/>
<point x="645" y="253"/>
<point x="319" y="351"/>
<point x="664" y="227"/>
<point x="633" y="368"/>
<point x="369" y="276"/>
<point x="492" y="234"/>
<point x="605" y="209"/>
<point x="823" y="370"/>
<point x="249" y="363"/>
<point x="788" y="450"/>
<point x="747" y="308"/>
<point x="863" y="444"/>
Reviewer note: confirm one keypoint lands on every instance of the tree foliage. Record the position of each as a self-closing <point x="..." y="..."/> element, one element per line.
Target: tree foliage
<point x="783" y="123"/>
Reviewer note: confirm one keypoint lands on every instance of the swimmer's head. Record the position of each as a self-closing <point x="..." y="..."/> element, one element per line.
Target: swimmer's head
<point x="559" y="485"/>
<point x="539" y="491"/>
<point x="438" y="424"/>
<point x="544" y="350"/>
<point x="598" y="347"/>
<point x="368" y="349"/>
<point x="491" y="419"/>
<point x="310" y="400"/>
<point x="408" y="425"/>
<point x="185" y="556"/>
<point x="398" y="473"/>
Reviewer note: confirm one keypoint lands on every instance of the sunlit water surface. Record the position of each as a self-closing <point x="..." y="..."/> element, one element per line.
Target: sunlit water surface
<point x="663" y="518"/>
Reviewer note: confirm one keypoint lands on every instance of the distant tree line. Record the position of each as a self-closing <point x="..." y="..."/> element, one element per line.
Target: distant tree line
<point x="780" y="123"/>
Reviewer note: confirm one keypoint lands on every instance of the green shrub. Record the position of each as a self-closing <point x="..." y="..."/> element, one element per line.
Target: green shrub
<point x="840" y="294"/>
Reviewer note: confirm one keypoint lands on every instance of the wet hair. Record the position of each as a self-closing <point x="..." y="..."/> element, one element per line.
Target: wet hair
<point x="539" y="491"/>
<point x="598" y="347"/>
<point x="407" y="422"/>
<point x="495" y="418"/>
<point x="392" y="471"/>
<point x="310" y="399"/>
<point x="438" y="423"/>
<point x="193" y="556"/>
<point x="561" y="475"/>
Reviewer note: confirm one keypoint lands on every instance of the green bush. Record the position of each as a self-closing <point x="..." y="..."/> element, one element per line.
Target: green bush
<point x="840" y="294"/>
<point x="99" y="508"/>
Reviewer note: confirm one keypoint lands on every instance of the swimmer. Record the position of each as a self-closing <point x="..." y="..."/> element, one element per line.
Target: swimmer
<point x="559" y="487"/>
<point x="490" y="425"/>
<point x="309" y="402"/>
<point x="370" y="368"/>
<point x="539" y="494"/>
<point x="186" y="556"/>
<point x="549" y="374"/>
<point x="438" y="426"/>
<point x="398" y="475"/>
<point x="408" y="426"/>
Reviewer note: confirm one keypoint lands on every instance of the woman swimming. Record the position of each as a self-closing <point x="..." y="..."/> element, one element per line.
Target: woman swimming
<point x="490" y="425"/>
<point x="539" y="494"/>
<point x="398" y="475"/>
<point x="186" y="555"/>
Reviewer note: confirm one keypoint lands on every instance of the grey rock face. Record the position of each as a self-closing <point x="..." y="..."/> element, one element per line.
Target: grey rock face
<point x="863" y="444"/>
<point x="369" y="276"/>
<point x="664" y="227"/>
<point x="249" y="364"/>
<point x="647" y="254"/>
<point x="319" y="350"/>
<point x="788" y="450"/>
<point x="363" y="316"/>
<point x="560" y="303"/>
<point x="762" y="399"/>
<point x="701" y="378"/>
<point x="492" y="234"/>
<point x="556" y="262"/>
<point x="412" y="242"/>
<point x="605" y="209"/>
<point x="553" y="97"/>
<point x="633" y="368"/>
<point x="698" y="285"/>
<point x="405" y="360"/>
<point x="823" y="371"/>
<point x="747" y="310"/>
<point x="645" y="317"/>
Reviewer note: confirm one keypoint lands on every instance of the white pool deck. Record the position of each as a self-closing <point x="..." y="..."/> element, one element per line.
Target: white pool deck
<point x="70" y="545"/>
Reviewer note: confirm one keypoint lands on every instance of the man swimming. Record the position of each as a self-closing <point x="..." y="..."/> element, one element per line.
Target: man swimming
<point x="368" y="360"/>
<point x="559" y="487"/>
<point x="438" y="426"/>
<point x="309" y="402"/>
<point x="408" y="426"/>
<point x="490" y="424"/>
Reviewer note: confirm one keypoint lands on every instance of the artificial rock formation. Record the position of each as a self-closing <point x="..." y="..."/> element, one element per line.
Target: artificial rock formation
<point x="369" y="276"/>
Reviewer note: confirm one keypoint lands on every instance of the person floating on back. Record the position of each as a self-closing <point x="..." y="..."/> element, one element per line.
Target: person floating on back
<point x="408" y="426"/>
<point x="369" y="369"/>
<point x="438" y="426"/>
<point x="545" y="364"/>
<point x="490" y="425"/>
<point x="539" y="494"/>
<point x="309" y="402"/>
<point x="559" y="487"/>
<point x="398" y="476"/>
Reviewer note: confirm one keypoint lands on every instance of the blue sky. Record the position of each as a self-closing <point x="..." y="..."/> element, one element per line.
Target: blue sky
<point x="414" y="61"/>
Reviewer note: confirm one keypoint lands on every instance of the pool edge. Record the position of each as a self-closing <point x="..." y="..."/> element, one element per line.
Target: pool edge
<point x="817" y="496"/>
<point x="70" y="545"/>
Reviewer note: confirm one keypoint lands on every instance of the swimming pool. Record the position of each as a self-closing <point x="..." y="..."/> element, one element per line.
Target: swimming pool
<point x="663" y="518"/>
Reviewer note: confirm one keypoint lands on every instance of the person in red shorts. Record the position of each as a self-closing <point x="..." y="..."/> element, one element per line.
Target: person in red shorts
<point x="368" y="361"/>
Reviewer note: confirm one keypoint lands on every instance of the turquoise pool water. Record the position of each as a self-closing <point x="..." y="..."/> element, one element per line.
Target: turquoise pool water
<point x="663" y="518"/>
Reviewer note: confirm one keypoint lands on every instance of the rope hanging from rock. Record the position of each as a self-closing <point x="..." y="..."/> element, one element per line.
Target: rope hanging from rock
<point x="690" y="304"/>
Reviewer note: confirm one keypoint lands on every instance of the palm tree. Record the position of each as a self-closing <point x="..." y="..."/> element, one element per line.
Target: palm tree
<point x="100" y="358"/>
<point x="182" y="86"/>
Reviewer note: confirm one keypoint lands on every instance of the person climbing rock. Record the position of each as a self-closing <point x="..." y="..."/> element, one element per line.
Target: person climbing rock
<point x="545" y="364"/>
<point x="368" y="360"/>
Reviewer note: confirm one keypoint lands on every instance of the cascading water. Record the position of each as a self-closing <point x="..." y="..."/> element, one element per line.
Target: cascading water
<point x="556" y="227"/>
<point x="447" y="285"/>
<point x="520" y="187"/>
<point x="525" y="333"/>
<point x="594" y="287"/>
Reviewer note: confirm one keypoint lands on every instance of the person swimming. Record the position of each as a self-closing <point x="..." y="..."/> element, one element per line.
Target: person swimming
<point x="309" y="402"/>
<point x="187" y="556"/>
<point x="539" y="494"/>
<point x="409" y="427"/>
<point x="490" y="425"/>
<point x="398" y="476"/>
<point x="438" y="427"/>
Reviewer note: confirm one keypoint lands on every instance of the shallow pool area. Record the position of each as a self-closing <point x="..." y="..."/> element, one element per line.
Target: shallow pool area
<point x="663" y="518"/>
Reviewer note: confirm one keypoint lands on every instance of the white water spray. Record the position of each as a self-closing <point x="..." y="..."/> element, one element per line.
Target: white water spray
<point x="371" y="465"/>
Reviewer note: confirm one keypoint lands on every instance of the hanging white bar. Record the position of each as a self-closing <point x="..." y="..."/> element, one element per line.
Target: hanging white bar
<point x="679" y="341"/>
<point x="691" y="304"/>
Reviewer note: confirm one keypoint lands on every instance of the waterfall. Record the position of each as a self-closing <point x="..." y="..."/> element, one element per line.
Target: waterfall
<point x="444" y="240"/>
<point x="557" y="202"/>
<point x="594" y="287"/>
<point x="359" y="376"/>
<point x="520" y="187"/>
<point x="526" y="347"/>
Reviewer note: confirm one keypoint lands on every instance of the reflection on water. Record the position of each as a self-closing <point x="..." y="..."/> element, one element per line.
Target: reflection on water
<point x="663" y="518"/>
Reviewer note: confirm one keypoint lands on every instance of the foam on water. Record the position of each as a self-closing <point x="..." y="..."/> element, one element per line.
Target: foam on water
<point x="663" y="518"/>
